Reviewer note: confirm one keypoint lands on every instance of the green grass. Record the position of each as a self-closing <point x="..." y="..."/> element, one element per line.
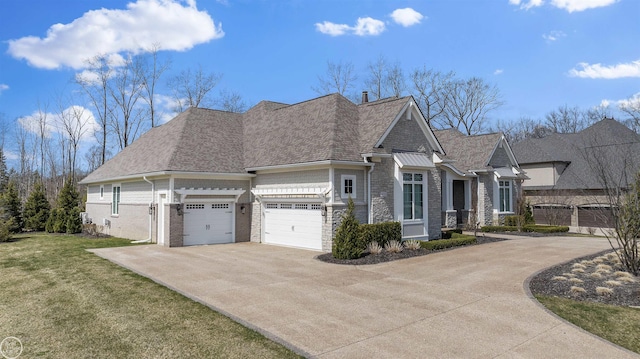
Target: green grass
<point x="619" y="325"/>
<point x="528" y="228"/>
<point x="64" y="302"/>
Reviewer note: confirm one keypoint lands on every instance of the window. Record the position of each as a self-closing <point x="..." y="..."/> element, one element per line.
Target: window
<point x="115" y="200"/>
<point x="412" y="195"/>
<point x="348" y="186"/>
<point x="101" y="192"/>
<point x="504" y="187"/>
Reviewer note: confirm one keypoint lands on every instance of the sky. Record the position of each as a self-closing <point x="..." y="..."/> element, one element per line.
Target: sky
<point x="541" y="54"/>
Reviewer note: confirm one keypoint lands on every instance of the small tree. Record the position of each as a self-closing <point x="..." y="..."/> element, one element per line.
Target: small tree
<point x="627" y="228"/>
<point x="345" y="242"/>
<point x="36" y="209"/>
<point x="10" y="201"/>
<point x="5" y="233"/>
<point x="65" y="212"/>
<point x="74" y="221"/>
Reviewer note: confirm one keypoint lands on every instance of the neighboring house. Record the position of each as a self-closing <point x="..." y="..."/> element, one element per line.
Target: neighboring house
<point x="570" y="173"/>
<point x="481" y="179"/>
<point x="278" y="173"/>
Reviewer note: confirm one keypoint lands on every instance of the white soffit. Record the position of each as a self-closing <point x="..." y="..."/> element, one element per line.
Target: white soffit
<point x="413" y="160"/>
<point x="184" y="192"/>
<point x="286" y="191"/>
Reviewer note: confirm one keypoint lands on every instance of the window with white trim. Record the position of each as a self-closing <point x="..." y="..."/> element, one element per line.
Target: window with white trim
<point x="348" y="186"/>
<point x="101" y="191"/>
<point x="115" y="199"/>
<point x="504" y="189"/>
<point x="413" y="195"/>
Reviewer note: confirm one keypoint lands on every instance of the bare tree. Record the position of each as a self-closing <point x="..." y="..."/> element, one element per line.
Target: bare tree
<point x="395" y="80"/>
<point x="631" y="108"/>
<point x="525" y="127"/>
<point x="432" y="91"/>
<point x="4" y="129"/>
<point x="375" y="80"/>
<point x="43" y="132"/>
<point x="74" y="125"/>
<point x="126" y="90"/>
<point x="339" y="77"/>
<point x="231" y="101"/>
<point x="615" y="163"/>
<point x="192" y="88"/>
<point x="566" y="119"/>
<point x="150" y="74"/>
<point x="95" y="83"/>
<point x="469" y="103"/>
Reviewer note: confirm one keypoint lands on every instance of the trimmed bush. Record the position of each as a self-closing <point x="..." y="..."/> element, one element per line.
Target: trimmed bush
<point x="448" y="243"/>
<point x="528" y="228"/>
<point x="446" y="234"/>
<point x="346" y="243"/>
<point x="382" y="233"/>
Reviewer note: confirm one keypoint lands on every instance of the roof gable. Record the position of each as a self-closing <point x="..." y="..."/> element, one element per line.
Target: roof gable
<point x="476" y="152"/>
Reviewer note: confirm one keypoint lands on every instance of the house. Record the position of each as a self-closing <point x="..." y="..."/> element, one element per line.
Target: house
<point x="481" y="179"/>
<point x="569" y="174"/>
<point x="278" y="173"/>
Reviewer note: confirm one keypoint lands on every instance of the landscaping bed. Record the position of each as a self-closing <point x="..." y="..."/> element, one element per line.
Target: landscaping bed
<point x="368" y="258"/>
<point x="577" y="280"/>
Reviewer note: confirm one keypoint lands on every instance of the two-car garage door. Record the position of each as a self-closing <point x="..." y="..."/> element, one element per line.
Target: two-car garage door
<point x="293" y="224"/>
<point x="208" y="223"/>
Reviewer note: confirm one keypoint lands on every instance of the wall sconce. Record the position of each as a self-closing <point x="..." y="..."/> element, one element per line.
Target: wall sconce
<point x="323" y="211"/>
<point x="151" y="210"/>
<point x="179" y="209"/>
<point x="243" y="209"/>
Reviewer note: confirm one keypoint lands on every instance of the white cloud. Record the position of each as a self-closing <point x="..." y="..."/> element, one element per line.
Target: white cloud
<point x="365" y="26"/>
<point x="581" y="5"/>
<point x="406" y="17"/>
<point x="569" y="5"/>
<point x="553" y="35"/>
<point x="332" y="29"/>
<point x="368" y="26"/>
<point x="526" y="5"/>
<point x="3" y="87"/>
<point x="75" y="116"/>
<point x="498" y="72"/>
<point x="142" y="24"/>
<point x="598" y="71"/>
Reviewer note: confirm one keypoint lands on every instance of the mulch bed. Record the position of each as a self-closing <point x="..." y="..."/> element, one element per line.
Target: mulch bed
<point x="548" y="282"/>
<point x="385" y="256"/>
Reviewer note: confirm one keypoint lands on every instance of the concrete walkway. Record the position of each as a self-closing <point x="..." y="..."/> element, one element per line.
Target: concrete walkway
<point x="465" y="303"/>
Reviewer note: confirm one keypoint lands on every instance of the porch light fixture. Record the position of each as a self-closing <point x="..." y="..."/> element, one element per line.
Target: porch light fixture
<point x="242" y="209"/>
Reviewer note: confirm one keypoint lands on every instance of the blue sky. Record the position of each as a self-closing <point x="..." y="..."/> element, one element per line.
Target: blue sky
<point x="541" y="54"/>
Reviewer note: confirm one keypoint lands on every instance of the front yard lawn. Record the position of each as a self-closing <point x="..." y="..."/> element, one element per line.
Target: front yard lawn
<point x="619" y="325"/>
<point x="64" y="302"/>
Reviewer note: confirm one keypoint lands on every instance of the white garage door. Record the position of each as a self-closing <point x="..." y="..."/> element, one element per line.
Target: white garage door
<point x="208" y="223"/>
<point x="293" y="224"/>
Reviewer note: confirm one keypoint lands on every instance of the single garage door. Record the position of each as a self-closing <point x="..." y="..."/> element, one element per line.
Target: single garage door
<point x="597" y="217"/>
<point x="208" y="223"/>
<point x="293" y="224"/>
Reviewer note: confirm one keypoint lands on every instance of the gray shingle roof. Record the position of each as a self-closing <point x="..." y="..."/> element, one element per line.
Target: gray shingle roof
<point x="197" y="140"/>
<point x="607" y="144"/>
<point x="468" y="152"/>
<point x="200" y="140"/>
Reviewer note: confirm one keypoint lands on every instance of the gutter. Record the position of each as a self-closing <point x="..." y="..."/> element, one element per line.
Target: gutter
<point x="373" y="165"/>
<point x="153" y="193"/>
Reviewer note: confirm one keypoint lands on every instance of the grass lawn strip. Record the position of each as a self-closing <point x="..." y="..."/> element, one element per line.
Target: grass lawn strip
<point x="62" y="301"/>
<point x="619" y="325"/>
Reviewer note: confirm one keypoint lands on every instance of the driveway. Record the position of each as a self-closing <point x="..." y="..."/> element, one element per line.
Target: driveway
<point x="470" y="302"/>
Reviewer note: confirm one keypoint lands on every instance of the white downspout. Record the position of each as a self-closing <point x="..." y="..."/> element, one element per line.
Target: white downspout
<point x="153" y="192"/>
<point x="373" y="165"/>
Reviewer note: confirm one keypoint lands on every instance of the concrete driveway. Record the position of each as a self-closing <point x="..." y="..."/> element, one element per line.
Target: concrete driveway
<point x="465" y="303"/>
